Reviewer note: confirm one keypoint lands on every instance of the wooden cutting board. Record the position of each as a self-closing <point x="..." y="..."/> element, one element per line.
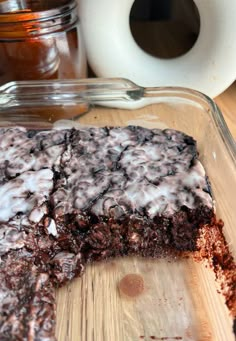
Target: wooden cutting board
<point x="179" y="301"/>
<point x="167" y="300"/>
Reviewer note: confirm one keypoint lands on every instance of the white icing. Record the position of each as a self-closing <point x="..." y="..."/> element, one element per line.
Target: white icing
<point x="20" y="152"/>
<point x="52" y="229"/>
<point x="16" y="193"/>
<point x="37" y="213"/>
<point x="103" y="169"/>
<point x="10" y="239"/>
<point x="133" y="169"/>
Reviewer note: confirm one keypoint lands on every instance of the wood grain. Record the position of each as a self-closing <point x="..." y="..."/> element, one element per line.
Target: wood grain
<point x="174" y="304"/>
<point x="163" y="39"/>
<point x="227" y="103"/>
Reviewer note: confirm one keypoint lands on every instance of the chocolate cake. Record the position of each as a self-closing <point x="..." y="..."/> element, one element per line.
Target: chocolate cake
<point x="69" y="197"/>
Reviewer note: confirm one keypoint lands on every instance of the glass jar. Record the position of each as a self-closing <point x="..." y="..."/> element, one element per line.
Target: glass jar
<point x="40" y="41"/>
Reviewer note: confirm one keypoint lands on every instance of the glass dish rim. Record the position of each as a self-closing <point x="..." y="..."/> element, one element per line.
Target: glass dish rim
<point x="112" y="92"/>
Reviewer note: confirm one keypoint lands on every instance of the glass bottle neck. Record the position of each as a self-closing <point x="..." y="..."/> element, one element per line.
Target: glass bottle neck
<point x="7" y="6"/>
<point x="20" y="20"/>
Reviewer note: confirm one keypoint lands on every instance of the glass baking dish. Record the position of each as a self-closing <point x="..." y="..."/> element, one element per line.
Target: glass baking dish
<point x="180" y="299"/>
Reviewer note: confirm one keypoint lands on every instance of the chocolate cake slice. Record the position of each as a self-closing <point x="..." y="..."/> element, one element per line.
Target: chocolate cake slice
<point x="69" y="197"/>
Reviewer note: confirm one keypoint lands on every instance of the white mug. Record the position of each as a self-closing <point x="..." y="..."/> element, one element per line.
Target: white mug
<point x="209" y="66"/>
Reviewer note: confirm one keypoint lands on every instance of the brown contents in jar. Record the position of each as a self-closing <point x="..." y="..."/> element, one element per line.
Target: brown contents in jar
<point x="29" y="59"/>
<point x="41" y="45"/>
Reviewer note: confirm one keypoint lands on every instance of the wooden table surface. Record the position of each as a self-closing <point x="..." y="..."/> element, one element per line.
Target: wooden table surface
<point x="172" y="38"/>
<point x="227" y="103"/>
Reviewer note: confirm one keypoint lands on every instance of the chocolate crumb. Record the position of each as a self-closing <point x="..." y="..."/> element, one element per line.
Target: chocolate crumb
<point x="214" y="249"/>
